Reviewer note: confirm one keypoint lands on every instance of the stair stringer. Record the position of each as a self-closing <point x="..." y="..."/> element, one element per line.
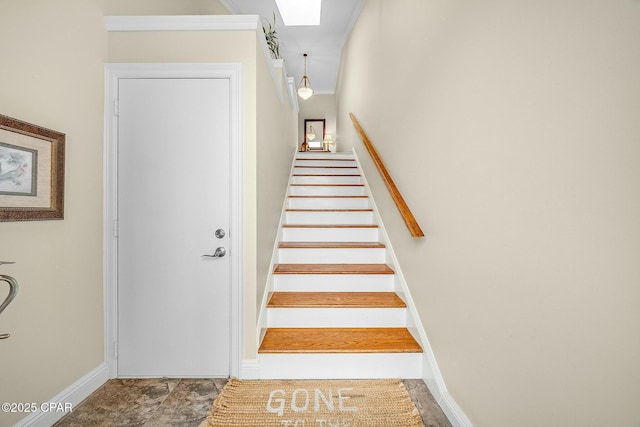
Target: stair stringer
<point x="268" y="288"/>
<point x="430" y="370"/>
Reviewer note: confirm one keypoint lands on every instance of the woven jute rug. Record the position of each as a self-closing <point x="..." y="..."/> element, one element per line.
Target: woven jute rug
<point x="313" y="403"/>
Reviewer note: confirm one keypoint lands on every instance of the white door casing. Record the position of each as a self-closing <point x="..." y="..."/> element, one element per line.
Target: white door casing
<point x="230" y="74"/>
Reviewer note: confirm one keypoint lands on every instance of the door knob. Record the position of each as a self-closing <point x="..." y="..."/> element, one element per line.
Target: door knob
<point x="219" y="253"/>
<point x="220" y="233"/>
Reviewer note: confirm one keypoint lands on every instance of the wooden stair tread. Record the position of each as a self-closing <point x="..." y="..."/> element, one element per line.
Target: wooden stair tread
<point x="329" y="225"/>
<point x="332" y="269"/>
<point x="335" y="300"/>
<point x="339" y="340"/>
<point x="330" y="245"/>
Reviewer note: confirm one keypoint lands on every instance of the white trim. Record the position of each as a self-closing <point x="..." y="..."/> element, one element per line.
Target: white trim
<point x="114" y="72"/>
<point x="197" y="23"/>
<point x="250" y="369"/>
<point x="182" y="23"/>
<point x="286" y="83"/>
<point x="430" y="371"/>
<point x="454" y="413"/>
<point x="262" y="323"/>
<point x="110" y="203"/>
<point x="74" y="394"/>
<point x="293" y="95"/>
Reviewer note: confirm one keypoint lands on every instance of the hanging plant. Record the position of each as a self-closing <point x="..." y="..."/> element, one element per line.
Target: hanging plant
<point x="271" y="35"/>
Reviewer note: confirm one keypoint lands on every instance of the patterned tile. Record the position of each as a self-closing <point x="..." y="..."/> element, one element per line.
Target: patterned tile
<point x="188" y="404"/>
<point x="162" y="402"/>
<point x="432" y="415"/>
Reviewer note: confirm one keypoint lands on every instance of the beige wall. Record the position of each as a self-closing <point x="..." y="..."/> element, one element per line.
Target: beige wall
<point x="164" y="7"/>
<point x="52" y="75"/>
<point x="319" y="106"/>
<point x="512" y="128"/>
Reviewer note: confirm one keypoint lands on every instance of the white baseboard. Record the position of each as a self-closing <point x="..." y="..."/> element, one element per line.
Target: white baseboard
<point x="250" y="369"/>
<point x="74" y="394"/>
<point x="454" y="413"/>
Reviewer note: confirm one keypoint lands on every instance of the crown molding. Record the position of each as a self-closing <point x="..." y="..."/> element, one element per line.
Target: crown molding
<point x="182" y="23"/>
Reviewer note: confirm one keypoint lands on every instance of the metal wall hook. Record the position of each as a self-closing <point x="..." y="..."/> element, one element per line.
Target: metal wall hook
<point x="13" y="291"/>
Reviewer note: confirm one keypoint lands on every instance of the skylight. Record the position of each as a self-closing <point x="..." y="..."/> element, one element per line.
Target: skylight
<point x="299" y="12"/>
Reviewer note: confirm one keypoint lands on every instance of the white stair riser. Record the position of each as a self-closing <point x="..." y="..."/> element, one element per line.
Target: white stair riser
<point x="317" y="155"/>
<point x="352" y="365"/>
<point x="325" y="163"/>
<point x="290" y="234"/>
<point x="328" y="203"/>
<point x="331" y="256"/>
<point x="324" y="171"/>
<point x="329" y="217"/>
<point x="337" y="317"/>
<point x="333" y="282"/>
<point x="326" y="190"/>
<point x="320" y="179"/>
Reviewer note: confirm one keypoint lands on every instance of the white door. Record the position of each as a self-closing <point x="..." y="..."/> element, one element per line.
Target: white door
<point x="173" y="194"/>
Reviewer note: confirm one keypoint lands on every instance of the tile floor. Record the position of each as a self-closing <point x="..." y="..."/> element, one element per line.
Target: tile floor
<point x="165" y="402"/>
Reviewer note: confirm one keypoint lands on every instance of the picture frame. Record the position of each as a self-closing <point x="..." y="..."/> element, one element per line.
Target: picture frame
<point x="31" y="171"/>
<point x="317" y="129"/>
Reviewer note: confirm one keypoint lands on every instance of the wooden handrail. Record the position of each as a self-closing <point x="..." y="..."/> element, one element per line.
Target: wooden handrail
<point x="405" y="212"/>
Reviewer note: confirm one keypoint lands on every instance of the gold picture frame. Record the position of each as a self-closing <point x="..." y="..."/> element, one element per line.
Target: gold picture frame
<point x="31" y="171"/>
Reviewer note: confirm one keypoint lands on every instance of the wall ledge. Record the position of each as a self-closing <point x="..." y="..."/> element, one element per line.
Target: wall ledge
<point x="182" y="22"/>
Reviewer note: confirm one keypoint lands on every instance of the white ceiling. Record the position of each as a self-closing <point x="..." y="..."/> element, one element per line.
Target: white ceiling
<point x="323" y="43"/>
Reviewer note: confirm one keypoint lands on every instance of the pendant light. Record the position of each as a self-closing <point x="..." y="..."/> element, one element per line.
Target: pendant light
<point x="304" y="88"/>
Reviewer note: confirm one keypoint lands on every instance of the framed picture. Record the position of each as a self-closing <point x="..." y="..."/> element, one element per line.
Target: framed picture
<point x="314" y="130"/>
<point x="31" y="172"/>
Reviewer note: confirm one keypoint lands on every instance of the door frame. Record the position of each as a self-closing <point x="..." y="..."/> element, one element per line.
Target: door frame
<point x="113" y="73"/>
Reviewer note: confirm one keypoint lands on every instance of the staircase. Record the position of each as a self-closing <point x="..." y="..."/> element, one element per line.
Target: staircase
<point x="333" y="308"/>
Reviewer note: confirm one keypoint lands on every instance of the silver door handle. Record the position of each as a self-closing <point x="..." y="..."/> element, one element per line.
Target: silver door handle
<point x="219" y="253"/>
